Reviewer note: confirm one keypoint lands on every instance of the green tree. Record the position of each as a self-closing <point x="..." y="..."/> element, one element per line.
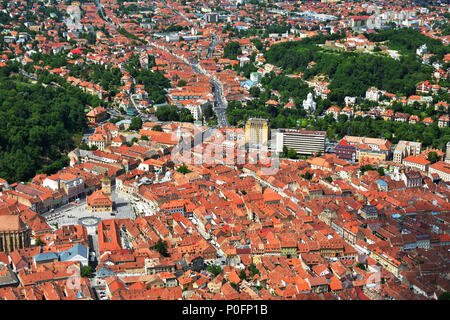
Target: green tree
<point x="444" y="296"/>
<point x="242" y="275"/>
<point x="307" y="175"/>
<point x="183" y="169"/>
<point x="161" y="247"/>
<point x="214" y="269"/>
<point x="433" y="157"/>
<point x="380" y="171"/>
<point x="157" y="128"/>
<point x="232" y="50"/>
<point x="292" y="154"/>
<point x="136" y="123"/>
<point x="253" y="269"/>
<point x="39" y="242"/>
<point x="86" y="271"/>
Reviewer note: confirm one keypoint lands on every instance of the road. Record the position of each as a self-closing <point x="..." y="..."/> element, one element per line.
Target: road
<point x="220" y="103"/>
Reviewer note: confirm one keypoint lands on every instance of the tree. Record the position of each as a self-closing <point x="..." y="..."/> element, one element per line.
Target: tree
<point x="214" y="269"/>
<point x="86" y="271"/>
<point x="242" y="275"/>
<point x="308" y="175"/>
<point x="253" y="269"/>
<point x="161" y="247"/>
<point x="209" y="112"/>
<point x="181" y="83"/>
<point x="444" y="296"/>
<point x="292" y="154"/>
<point x="380" y="171"/>
<point x="39" y="242"/>
<point x="136" y="123"/>
<point x="157" y="128"/>
<point x="232" y="50"/>
<point x="433" y="157"/>
<point x="360" y="265"/>
<point x="183" y="169"/>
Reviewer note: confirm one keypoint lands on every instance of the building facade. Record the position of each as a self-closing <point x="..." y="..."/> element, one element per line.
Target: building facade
<point x="256" y="131"/>
<point x="14" y="234"/>
<point x="302" y="141"/>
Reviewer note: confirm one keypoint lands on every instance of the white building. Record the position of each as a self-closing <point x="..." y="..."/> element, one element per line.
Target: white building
<point x="302" y="141"/>
<point x="309" y="104"/>
<point x="405" y="149"/>
<point x="372" y="94"/>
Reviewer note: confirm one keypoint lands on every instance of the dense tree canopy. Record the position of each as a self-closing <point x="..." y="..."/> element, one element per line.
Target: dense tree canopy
<point x="38" y="125"/>
<point x="172" y="113"/>
<point x="232" y="50"/>
<point x="351" y="74"/>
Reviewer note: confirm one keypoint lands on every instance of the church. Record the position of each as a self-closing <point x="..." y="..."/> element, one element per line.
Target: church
<point x="100" y="200"/>
<point x="309" y="104"/>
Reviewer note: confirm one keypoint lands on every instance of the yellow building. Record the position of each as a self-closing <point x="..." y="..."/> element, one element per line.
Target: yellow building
<point x="256" y="131"/>
<point x="372" y="155"/>
<point x="106" y="185"/>
<point x="389" y="263"/>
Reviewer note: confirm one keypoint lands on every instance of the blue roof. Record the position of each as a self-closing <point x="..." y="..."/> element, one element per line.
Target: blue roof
<point x="105" y="272"/>
<point x="46" y="256"/>
<point x="77" y="249"/>
<point x="382" y="182"/>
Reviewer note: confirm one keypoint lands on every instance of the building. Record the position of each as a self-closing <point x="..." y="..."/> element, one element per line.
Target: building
<point x="345" y="151"/>
<point x="309" y="104"/>
<point x="369" y="212"/>
<point x="406" y="149"/>
<point x="256" y="131"/>
<point x="100" y="200"/>
<point x="72" y="185"/>
<point x="302" y="141"/>
<point x="388" y="262"/>
<point x="106" y="185"/>
<point x="418" y="163"/>
<point x="412" y="179"/>
<point x="372" y="94"/>
<point x="370" y="148"/>
<point x="443" y="121"/>
<point x="212" y="17"/>
<point x="447" y="152"/>
<point x="335" y="111"/>
<point x="442" y="169"/>
<point x="97" y="114"/>
<point x="78" y="253"/>
<point x="14" y="234"/>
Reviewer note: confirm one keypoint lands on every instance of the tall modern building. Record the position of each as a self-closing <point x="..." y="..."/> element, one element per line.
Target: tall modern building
<point x="256" y="131"/>
<point x="302" y="141"/>
<point x="447" y="153"/>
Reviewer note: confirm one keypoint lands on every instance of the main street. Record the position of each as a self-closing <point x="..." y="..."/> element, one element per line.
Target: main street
<point x="220" y="103"/>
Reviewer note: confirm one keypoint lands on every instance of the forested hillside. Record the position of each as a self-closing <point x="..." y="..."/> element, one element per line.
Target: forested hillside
<point x="37" y="125"/>
<point x="351" y="74"/>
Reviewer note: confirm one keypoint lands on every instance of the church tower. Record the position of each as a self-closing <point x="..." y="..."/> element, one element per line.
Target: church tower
<point x="106" y="185"/>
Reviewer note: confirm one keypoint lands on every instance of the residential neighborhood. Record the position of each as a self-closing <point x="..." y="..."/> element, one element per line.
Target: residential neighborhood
<point x="225" y="150"/>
